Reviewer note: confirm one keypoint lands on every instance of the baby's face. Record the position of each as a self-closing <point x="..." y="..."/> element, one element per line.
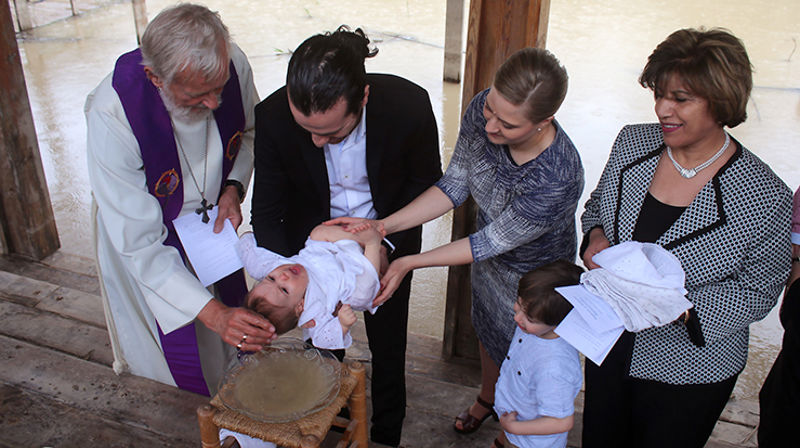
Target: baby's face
<point x="284" y="286"/>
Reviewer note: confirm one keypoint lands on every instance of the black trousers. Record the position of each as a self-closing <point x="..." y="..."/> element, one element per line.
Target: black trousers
<point x="779" y="401"/>
<point x="387" y="335"/>
<point x="779" y="398"/>
<point x="621" y="411"/>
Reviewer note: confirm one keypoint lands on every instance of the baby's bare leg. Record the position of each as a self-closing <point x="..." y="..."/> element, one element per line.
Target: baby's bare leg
<point x="332" y="234"/>
<point x="370" y="239"/>
<point x="335" y="233"/>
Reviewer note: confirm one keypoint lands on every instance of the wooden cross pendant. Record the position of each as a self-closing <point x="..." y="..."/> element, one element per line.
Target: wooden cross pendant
<point x="204" y="208"/>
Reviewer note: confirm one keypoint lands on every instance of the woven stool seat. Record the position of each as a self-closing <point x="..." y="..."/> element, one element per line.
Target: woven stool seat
<point x="307" y="432"/>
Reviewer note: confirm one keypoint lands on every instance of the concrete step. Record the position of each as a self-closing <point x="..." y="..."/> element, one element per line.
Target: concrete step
<point x="90" y="392"/>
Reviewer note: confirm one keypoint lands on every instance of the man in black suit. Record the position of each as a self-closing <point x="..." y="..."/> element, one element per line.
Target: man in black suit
<point x="338" y="142"/>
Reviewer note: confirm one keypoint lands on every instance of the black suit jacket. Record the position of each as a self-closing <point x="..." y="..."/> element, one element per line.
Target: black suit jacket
<point x="291" y="193"/>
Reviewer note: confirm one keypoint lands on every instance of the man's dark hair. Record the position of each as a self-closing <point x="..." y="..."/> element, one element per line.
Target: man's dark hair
<point x="327" y="67"/>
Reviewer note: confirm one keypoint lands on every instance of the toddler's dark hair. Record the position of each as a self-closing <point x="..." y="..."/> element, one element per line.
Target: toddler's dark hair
<point x="537" y="293"/>
<point x="283" y="318"/>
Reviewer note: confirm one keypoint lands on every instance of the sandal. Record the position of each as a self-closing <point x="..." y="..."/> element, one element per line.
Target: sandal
<point x="470" y="423"/>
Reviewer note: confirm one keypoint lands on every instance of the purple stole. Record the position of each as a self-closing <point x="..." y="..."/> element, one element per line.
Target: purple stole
<point x="152" y="128"/>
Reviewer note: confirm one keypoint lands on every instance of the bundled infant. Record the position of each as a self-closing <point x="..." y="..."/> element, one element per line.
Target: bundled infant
<point x="335" y="274"/>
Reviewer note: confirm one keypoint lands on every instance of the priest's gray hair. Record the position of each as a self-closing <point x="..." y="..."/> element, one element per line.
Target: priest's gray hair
<point x="186" y="36"/>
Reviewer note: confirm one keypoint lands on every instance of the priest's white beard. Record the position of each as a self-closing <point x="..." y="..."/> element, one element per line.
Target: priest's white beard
<point x="185" y="114"/>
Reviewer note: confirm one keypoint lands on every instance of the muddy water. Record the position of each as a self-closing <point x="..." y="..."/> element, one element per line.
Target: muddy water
<point x="603" y="45"/>
<point x="282" y="386"/>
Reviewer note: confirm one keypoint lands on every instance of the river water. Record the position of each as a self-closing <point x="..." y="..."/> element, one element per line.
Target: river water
<point x="603" y="44"/>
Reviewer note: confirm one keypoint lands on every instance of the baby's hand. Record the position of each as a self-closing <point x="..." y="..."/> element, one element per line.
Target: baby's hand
<point x="367" y="236"/>
<point x="347" y="317"/>
<point x="507" y="420"/>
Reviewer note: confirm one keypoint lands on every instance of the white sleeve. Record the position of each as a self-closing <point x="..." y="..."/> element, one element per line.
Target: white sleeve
<point x="243" y="167"/>
<point x="328" y="334"/>
<point x="132" y="217"/>
<point x="258" y="261"/>
<point x="366" y="284"/>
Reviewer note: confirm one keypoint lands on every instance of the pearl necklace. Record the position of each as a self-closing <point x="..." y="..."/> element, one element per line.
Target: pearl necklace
<point x="689" y="173"/>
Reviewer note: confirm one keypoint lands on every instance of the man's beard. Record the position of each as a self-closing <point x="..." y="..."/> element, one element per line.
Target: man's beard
<point x="185" y="114"/>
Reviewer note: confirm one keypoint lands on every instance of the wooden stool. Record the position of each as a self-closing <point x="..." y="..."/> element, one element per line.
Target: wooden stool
<point x="309" y="431"/>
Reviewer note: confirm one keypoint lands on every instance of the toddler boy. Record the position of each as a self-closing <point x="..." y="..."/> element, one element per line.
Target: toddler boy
<point x="541" y="375"/>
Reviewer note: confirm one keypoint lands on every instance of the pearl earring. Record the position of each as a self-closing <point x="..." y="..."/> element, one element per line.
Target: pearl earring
<point x="538" y="129"/>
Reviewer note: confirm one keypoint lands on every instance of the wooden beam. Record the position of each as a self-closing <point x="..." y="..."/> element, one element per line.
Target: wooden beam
<point x="27" y="224"/>
<point x="496" y="30"/>
<point x="453" y="39"/>
<point x="24" y="15"/>
<point x="139" y="18"/>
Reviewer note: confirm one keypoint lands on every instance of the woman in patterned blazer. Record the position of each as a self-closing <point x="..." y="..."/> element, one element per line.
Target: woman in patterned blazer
<point x="686" y="184"/>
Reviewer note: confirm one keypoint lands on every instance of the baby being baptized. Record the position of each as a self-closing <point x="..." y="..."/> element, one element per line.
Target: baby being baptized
<point x="335" y="274"/>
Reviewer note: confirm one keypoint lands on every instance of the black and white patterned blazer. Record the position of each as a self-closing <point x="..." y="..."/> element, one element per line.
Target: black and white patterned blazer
<point x="733" y="242"/>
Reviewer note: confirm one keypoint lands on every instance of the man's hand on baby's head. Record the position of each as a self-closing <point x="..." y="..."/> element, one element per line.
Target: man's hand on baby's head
<point x="239" y="327"/>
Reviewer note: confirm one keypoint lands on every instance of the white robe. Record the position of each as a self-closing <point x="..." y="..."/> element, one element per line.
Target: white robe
<point x="143" y="281"/>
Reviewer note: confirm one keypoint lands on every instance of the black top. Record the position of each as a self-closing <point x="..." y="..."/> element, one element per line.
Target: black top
<point x="655" y="218"/>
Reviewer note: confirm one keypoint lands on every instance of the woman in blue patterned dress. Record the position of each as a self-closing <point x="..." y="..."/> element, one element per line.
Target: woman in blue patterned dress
<point x="526" y="177"/>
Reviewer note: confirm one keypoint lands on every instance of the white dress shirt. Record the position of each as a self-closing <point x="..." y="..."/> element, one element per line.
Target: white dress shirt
<point x="346" y="162"/>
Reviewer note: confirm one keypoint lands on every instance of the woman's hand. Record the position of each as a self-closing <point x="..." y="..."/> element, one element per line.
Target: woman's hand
<point x="391" y="280"/>
<point x="597" y="242"/>
<point x="239" y="327"/>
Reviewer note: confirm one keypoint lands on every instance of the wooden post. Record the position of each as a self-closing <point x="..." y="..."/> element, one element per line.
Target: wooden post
<point x="27" y="224"/>
<point x="139" y="18"/>
<point x="209" y="432"/>
<point x="24" y="15"/>
<point x="358" y="403"/>
<point x="453" y="38"/>
<point x="496" y="30"/>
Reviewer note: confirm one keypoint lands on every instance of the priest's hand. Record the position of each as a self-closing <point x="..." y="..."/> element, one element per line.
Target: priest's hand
<point x="228" y="207"/>
<point x="239" y="327"/>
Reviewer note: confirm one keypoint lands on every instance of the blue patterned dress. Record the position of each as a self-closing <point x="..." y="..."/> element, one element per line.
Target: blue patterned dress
<point x="526" y="218"/>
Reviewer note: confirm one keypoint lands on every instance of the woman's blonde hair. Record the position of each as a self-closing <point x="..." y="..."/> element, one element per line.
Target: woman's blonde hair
<point x="533" y="78"/>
